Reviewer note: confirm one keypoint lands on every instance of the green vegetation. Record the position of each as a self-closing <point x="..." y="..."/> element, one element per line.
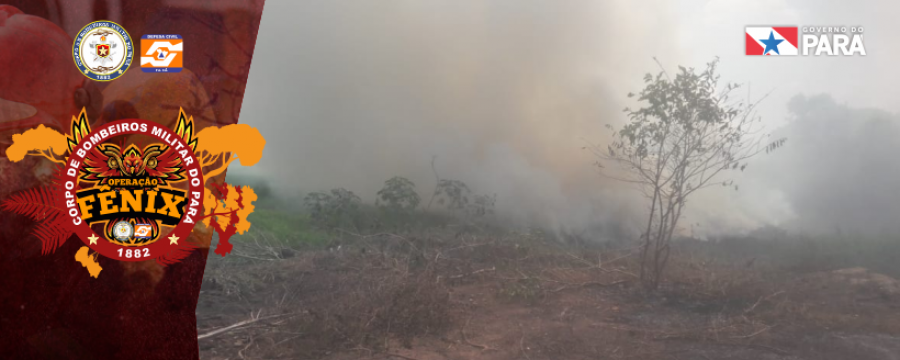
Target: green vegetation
<point x="296" y="229"/>
<point x="327" y="216"/>
<point x="336" y="209"/>
<point x="398" y="195"/>
<point x="686" y="133"/>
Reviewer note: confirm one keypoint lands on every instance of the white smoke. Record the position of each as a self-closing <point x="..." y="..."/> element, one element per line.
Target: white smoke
<point x="351" y="93"/>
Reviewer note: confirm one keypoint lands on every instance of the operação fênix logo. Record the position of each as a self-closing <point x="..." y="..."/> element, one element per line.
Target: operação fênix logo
<point x="132" y="199"/>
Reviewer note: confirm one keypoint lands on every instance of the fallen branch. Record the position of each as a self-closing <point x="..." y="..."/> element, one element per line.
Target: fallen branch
<point x="586" y="284"/>
<point x="629" y="254"/>
<point x="753" y="334"/>
<point x="471" y="273"/>
<point x="252" y="319"/>
<point x="760" y="300"/>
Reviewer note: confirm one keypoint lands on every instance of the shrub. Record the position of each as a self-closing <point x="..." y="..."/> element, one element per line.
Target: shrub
<point x="398" y="195"/>
<point x="332" y="210"/>
<point x="453" y="194"/>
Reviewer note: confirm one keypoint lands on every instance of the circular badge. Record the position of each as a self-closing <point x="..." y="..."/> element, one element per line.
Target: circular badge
<point x="103" y="50"/>
<point x="123" y="231"/>
<point x="148" y="198"/>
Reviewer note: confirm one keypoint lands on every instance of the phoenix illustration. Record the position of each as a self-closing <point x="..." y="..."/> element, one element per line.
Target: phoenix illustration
<point x="110" y="161"/>
<point x="158" y="161"/>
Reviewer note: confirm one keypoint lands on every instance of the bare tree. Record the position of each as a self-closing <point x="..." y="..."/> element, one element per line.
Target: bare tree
<point x="687" y="132"/>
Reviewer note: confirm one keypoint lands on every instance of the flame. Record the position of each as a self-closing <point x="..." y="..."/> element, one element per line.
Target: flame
<point x="185" y="129"/>
<point x="80" y="129"/>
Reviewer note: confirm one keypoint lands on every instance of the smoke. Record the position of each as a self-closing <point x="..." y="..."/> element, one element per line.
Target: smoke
<point x="838" y="171"/>
<point x="505" y="94"/>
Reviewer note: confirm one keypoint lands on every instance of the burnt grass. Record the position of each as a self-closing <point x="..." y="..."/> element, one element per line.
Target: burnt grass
<point x="450" y="294"/>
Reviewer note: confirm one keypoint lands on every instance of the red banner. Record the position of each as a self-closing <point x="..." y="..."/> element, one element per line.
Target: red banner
<point x="152" y="75"/>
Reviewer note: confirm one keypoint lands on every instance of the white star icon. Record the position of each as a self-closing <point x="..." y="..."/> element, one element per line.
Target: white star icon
<point x="93" y="239"/>
<point x="173" y="240"/>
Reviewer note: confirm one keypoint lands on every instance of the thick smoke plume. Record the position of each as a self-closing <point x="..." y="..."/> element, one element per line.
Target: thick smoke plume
<point x="505" y="94"/>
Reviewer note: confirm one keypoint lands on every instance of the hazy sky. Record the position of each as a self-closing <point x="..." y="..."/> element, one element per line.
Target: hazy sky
<point x="504" y="93"/>
<point x="707" y="28"/>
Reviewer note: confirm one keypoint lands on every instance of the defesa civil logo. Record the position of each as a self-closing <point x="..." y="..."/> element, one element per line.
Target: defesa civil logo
<point x="807" y="40"/>
<point x="162" y="53"/>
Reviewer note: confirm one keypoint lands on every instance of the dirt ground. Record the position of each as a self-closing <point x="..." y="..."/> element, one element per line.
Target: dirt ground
<point x="515" y="296"/>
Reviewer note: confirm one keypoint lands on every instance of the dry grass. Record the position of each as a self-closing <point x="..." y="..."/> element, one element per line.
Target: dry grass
<point x="450" y="294"/>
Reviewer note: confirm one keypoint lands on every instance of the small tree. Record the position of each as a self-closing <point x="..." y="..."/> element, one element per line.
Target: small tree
<point x="686" y="133"/>
<point x="398" y="201"/>
<point x="398" y="195"/>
